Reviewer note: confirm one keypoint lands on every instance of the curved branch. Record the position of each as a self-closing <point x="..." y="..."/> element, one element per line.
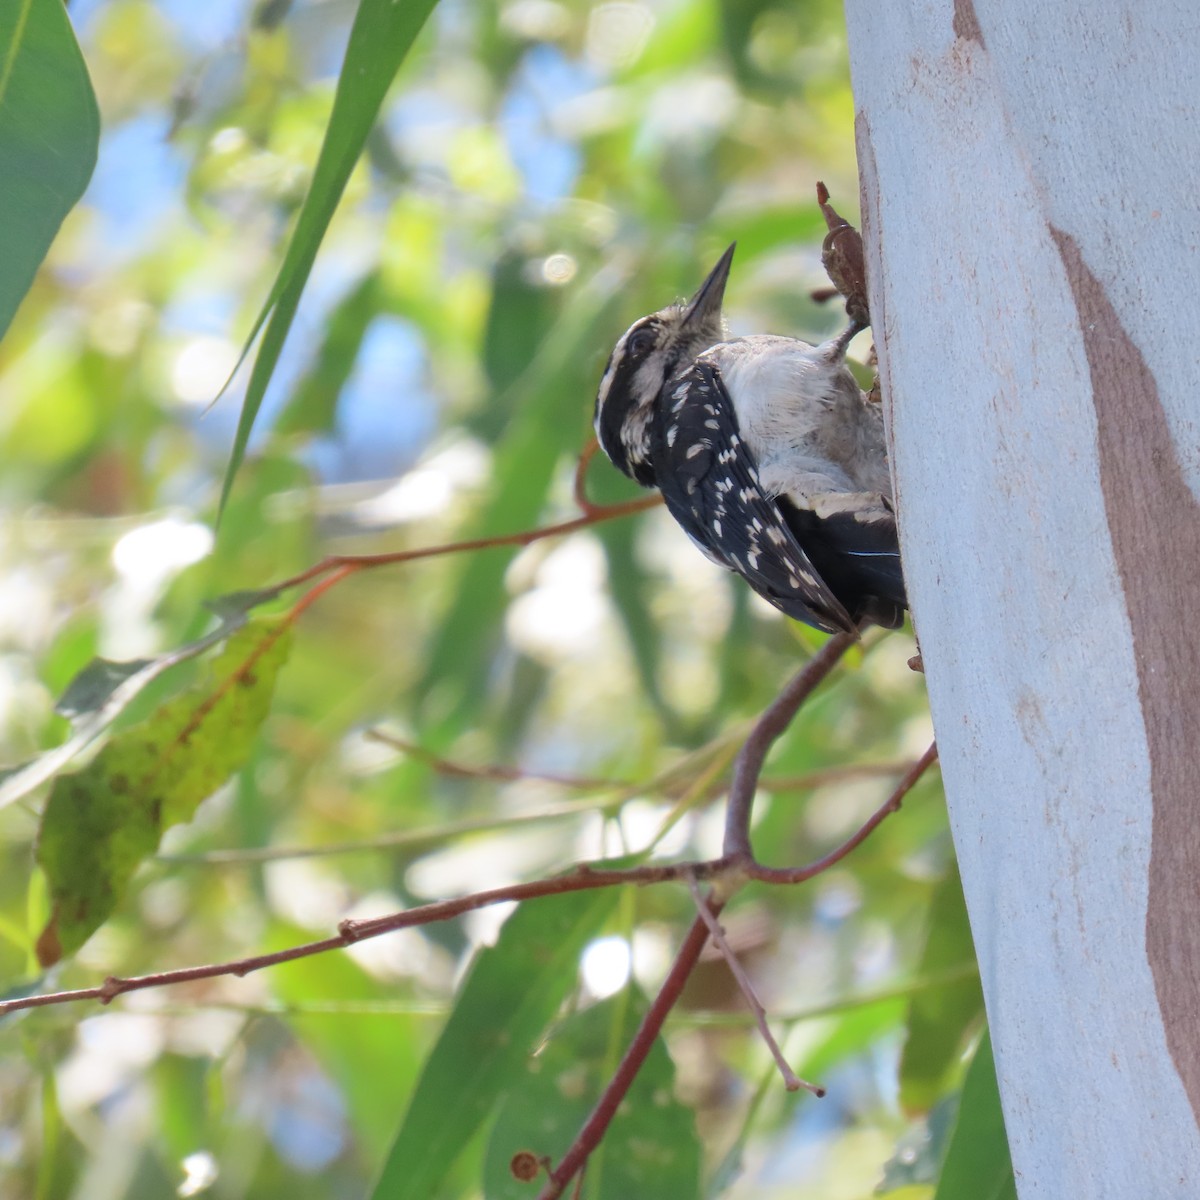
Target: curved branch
<point x="748" y="765"/>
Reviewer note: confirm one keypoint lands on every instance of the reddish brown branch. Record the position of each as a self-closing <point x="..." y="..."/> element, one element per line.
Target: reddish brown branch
<point x="363" y="562"/>
<point x="594" y="1129"/>
<point x="748" y="765"/>
<point x="593" y="514"/>
<point x="597" y="1124"/>
<point x="787" y="875"/>
<point x="736" y="866"/>
<point x="582" y="877"/>
<point x="581" y="469"/>
<point x="349" y="932"/>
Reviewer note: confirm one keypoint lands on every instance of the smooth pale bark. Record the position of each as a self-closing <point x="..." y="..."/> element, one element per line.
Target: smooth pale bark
<point x="1029" y="180"/>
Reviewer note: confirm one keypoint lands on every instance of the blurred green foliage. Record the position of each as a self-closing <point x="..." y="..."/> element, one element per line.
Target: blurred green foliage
<point x="48" y="133"/>
<point x="540" y="173"/>
<point x="100" y="823"/>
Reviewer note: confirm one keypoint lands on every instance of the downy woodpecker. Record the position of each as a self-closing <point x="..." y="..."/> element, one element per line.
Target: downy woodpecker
<point x="766" y="453"/>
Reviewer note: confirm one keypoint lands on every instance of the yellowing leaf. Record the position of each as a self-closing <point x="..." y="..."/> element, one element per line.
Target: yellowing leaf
<point x="101" y="822"/>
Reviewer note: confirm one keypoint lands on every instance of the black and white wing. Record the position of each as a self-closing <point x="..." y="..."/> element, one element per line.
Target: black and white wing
<point x="709" y="480"/>
<point x="851" y="540"/>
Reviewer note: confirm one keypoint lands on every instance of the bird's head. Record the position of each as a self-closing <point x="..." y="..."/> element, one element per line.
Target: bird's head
<point x="650" y="351"/>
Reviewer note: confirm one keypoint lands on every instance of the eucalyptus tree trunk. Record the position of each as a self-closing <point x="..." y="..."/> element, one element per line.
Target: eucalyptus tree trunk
<point x="1029" y="183"/>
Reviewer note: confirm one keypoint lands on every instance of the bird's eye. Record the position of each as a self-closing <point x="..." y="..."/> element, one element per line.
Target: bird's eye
<point x="641" y="342"/>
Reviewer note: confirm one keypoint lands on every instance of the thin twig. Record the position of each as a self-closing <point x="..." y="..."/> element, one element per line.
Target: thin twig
<point x="413" y="841"/>
<point x="490" y="771"/>
<point x="839" y="774"/>
<point x="579" y="490"/>
<point x="776" y="718"/>
<point x="704" y="787"/>
<point x="593" y="514"/>
<point x="735" y="866"/>
<point x="749" y="763"/>
<point x="581" y="878"/>
<point x="714" y="1019"/>
<point x="791" y="1080"/>
<point x="672" y="781"/>
<point x="362" y="562"/>
<point x="344" y="571"/>
<point x="410" y="841"/>
<point x="499" y="773"/>
<point x="788" y="875"/>
<point x="693" y="1019"/>
<point x="601" y="1117"/>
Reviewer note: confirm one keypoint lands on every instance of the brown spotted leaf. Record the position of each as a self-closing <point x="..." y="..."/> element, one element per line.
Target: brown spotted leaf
<point x="98" y="695"/>
<point x="101" y="822"/>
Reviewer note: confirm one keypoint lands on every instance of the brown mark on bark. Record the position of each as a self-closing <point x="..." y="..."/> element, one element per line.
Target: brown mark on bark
<point x="966" y="23"/>
<point x="1154" y="521"/>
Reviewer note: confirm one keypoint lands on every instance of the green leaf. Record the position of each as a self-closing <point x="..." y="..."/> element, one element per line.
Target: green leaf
<point x="101" y="822"/>
<point x="512" y="992"/>
<point x="313" y="406"/>
<point x="382" y="34"/>
<point x="520" y="313"/>
<point x="835" y="1038"/>
<point x="373" y="1056"/>
<point x="651" y="1147"/>
<point x="49" y="131"/>
<point x="180" y="1083"/>
<point x="939" y="1019"/>
<point x="548" y="422"/>
<point x="977" y="1165"/>
<point x="101" y="691"/>
<point x="921" y="1150"/>
<point x="632" y="593"/>
<point x="60" y="1159"/>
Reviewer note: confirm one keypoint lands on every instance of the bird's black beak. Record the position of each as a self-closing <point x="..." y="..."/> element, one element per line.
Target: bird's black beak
<point x="705" y="305"/>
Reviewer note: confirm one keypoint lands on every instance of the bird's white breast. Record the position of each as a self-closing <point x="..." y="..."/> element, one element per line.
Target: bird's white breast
<point x="803" y="416"/>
